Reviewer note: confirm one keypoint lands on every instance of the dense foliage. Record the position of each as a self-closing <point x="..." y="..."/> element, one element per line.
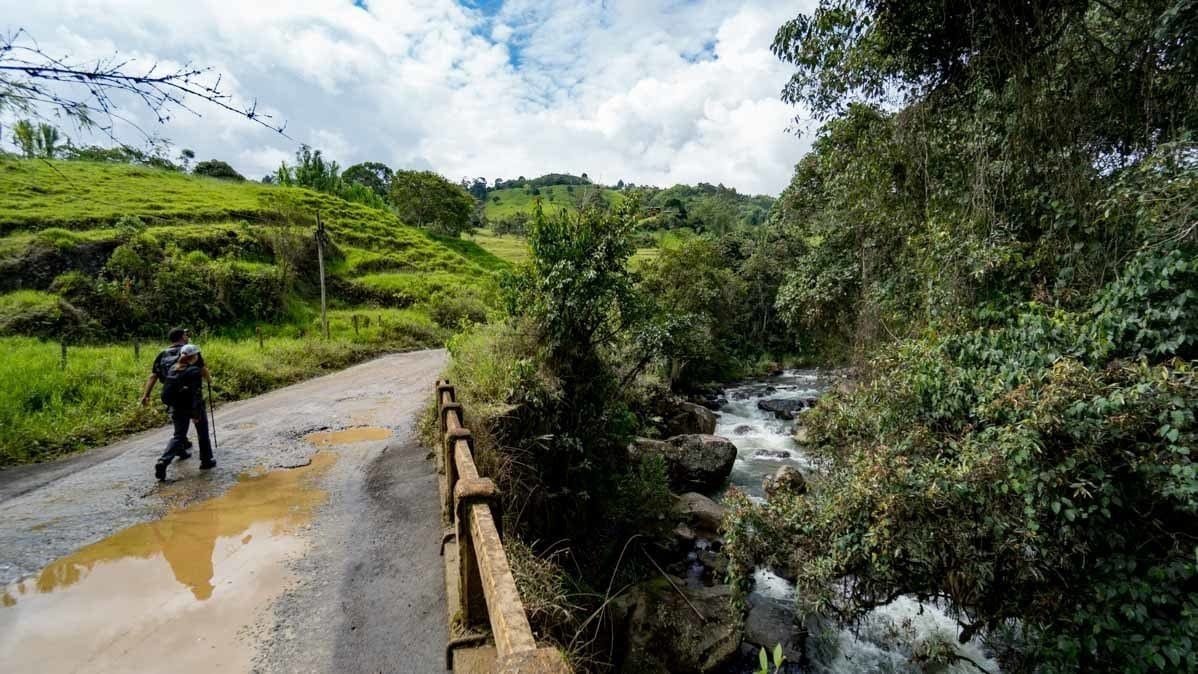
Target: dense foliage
<point x="1012" y="250"/>
<point x="215" y="168"/>
<point x="425" y="199"/>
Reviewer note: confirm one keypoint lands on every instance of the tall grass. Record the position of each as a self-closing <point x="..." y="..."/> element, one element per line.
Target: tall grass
<point x="47" y="411"/>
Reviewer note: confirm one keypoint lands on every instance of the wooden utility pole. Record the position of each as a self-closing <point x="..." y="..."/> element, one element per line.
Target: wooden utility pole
<point x="324" y="315"/>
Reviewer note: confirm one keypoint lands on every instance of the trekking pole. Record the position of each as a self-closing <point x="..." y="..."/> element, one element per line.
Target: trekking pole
<point x="212" y="412"/>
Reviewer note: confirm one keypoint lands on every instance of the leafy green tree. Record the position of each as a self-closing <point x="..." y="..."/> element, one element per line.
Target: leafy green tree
<point x="186" y="156"/>
<point x="373" y="175"/>
<point x="427" y="200"/>
<point x="693" y="284"/>
<point x="215" y="168"/>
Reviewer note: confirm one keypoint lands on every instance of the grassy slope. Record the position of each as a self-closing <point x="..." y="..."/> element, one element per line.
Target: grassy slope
<point x="552" y="198"/>
<point x="45" y="410"/>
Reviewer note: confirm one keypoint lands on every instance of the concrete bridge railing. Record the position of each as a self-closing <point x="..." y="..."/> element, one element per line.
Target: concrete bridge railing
<point x="480" y="588"/>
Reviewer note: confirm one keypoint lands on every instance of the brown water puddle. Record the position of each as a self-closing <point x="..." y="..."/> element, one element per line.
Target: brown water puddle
<point x="176" y="590"/>
<point x="348" y="436"/>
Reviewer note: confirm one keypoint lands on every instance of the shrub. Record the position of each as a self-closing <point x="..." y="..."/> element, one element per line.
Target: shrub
<point x="215" y="168"/>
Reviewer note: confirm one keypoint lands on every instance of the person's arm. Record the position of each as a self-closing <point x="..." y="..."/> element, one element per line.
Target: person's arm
<point x="150" y="381"/>
<point x="207" y="377"/>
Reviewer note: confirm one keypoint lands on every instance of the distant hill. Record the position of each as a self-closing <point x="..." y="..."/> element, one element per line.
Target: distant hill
<point x="702" y="207"/>
<point x="510" y="201"/>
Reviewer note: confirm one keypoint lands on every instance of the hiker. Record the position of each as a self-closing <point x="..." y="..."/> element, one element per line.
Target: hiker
<point x="183" y="392"/>
<point x="166" y="359"/>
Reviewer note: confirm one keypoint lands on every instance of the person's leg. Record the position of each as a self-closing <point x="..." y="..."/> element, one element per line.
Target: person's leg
<point x="174" y="447"/>
<point x="201" y="424"/>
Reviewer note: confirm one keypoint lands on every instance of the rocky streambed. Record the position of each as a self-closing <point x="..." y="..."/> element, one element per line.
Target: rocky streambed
<point x="750" y="436"/>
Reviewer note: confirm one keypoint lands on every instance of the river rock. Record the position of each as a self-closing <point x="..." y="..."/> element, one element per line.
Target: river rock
<point x="660" y="631"/>
<point x="770" y="623"/>
<point x="782" y="408"/>
<point x="786" y="479"/>
<point x="743" y="429"/>
<point x="801" y="435"/>
<point x="755" y="391"/>
<point x="700" y="512"/>
<point x="689" y="418"/>
<point x="699" y="462"/>
<point x="771" y="454"/>
<point x="694" y="461"/>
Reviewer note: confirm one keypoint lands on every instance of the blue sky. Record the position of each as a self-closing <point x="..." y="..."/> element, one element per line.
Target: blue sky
<point x="655" y="92"/>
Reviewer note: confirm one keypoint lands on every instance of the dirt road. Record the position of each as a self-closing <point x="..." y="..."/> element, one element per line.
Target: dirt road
<point x="313" y="545"/>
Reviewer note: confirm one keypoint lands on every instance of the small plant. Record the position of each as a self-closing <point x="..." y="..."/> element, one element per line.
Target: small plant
<point x="763" y="658"/>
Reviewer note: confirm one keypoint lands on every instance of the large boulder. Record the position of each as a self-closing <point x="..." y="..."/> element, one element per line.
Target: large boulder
<point x="771" y="622"/>
<point x="669" y="627"/>
<point x="696" y="462"/>
<point x="689" y="418"/>
<point x="786" y="479"/>
<point x="782" y="408"/>
<point x="699" y="512"/>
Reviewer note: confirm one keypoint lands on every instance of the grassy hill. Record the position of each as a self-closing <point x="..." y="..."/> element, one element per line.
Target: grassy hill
<point x="104" y="257"/>
<point x="507" y="202"/>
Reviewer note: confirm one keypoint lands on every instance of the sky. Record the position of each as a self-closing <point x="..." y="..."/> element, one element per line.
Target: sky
<point x="647" y="91"/>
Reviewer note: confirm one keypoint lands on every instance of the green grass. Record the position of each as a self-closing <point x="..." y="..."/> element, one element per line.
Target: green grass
<point x="46" y="411"/>
<point x="70" y="207"/>
<point x="553" y="198"/>
<point x="508" y="247"/>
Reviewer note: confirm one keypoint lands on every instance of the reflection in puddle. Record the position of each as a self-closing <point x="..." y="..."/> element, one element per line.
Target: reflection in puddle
<point x="348" y="436"/>
<point x="185" y="538"/>
<point x="116" y="598"/>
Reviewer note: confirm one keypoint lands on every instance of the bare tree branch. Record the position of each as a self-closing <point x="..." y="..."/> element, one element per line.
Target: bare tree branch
<point x="31" y="80"/>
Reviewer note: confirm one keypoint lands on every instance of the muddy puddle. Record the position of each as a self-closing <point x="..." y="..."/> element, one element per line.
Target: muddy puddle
<point x="348" y="436"/>
<point x="176" y="590"/>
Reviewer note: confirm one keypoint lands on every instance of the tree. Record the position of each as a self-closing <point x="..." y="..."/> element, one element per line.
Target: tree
<point x="24" y="136"/>
<point x="372" y="175"/>
<point x="47" y="141"/>
<point x="185" y="158"/>
<point x="427" y="200"/>
<point x="215" y="168"/>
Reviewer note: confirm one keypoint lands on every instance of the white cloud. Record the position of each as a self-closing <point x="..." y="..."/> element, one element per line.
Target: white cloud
<point x="655" y="91"/>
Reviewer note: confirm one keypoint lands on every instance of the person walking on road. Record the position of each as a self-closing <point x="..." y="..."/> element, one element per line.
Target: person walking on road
<point x="166" y="359"/>
<point x="183" y="392"/>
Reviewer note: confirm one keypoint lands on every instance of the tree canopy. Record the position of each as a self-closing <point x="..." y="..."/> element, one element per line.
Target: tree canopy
<point x="427" y="200"/>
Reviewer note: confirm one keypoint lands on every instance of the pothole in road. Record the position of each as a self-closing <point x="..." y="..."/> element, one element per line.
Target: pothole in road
<point x="168" y="590"/>
<point x="348" y="436"/>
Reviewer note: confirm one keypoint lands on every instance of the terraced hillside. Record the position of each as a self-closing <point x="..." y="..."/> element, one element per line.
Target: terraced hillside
<point x="103" y="257"/>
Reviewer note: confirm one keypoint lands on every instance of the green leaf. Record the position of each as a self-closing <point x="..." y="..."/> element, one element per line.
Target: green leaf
<point x="764" y="660"/>
<point x="778" y="655"/>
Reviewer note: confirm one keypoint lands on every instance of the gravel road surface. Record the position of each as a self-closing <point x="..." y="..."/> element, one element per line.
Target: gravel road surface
<point x="313" y="545"/>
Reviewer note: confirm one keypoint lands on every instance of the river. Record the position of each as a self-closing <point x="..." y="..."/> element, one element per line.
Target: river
<point x="888" y="637"/>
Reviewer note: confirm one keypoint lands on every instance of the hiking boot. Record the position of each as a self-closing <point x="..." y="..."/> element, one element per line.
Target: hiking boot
<point x="206" y="465"/>
<point x="160" y="471"/>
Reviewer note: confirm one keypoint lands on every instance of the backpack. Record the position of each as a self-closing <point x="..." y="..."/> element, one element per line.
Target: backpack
<point x="167" y="359"/>
<point x="178" y="390"/>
